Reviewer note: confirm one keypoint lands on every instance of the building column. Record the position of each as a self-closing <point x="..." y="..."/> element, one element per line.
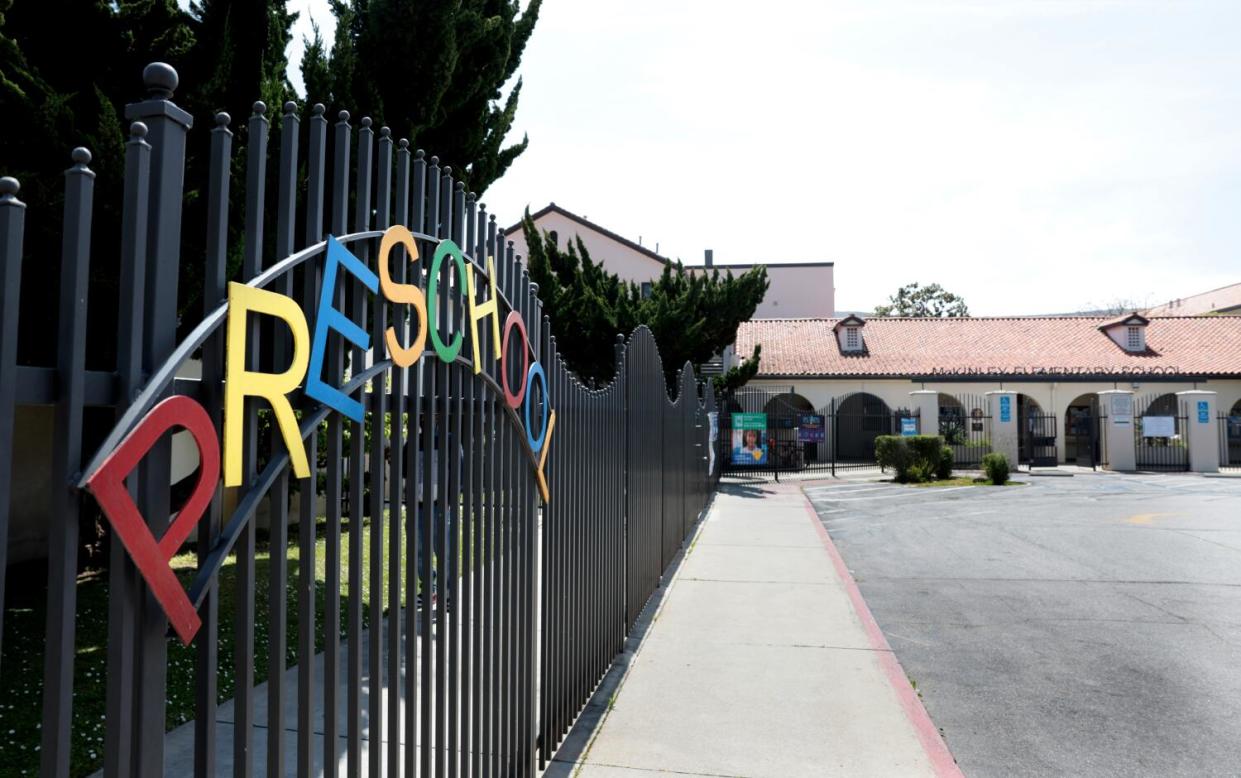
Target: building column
<point x="1002" y="406"/>
<point x="1118" y="434"/>
<point x="1201" y="432"/>
<point x="925" y="403"/>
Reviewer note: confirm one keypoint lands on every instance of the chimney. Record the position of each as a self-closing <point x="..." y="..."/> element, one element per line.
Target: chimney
<point x="709" y="258"/>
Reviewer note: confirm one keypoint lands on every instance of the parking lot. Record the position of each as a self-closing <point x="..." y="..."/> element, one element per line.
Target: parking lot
<point x="1072" y="626"/>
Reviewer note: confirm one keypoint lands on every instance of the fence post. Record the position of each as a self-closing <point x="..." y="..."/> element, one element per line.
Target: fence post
<point x="1202" y="439"/>
<point x="168" y="125"/>
<point x="835" y="435"/>
<point x="1004" y="432"/>
<point x="122" y="583"/>
<point x="12" y="227"/>
<point x="66" y="460"/>
<point x="925" y="404"/>
<point x="1118" y="432"/>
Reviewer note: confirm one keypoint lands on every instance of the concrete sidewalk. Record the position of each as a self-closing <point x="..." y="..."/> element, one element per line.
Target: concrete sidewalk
<point x="762" y="660"/>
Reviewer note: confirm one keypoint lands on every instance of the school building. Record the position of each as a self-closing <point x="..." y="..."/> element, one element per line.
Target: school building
<point x="1130" y="392"/>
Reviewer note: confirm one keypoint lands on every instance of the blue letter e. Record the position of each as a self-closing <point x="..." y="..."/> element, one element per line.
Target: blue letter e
<point x="331" y="319"/>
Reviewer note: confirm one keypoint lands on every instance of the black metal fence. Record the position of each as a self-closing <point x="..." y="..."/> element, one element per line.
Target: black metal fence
<point x="965" y="426"/>
<point x="1229" y="441"/>
<point x="455" y="542"/>
<point x="1160" y="426"/>
<point x="1036" y="439"/>
<point x="771" y="430"/>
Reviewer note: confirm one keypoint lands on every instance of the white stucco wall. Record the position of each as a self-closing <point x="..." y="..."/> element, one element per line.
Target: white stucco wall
<point x="798" y="291"/>
<point x="1052" y="396"/>
<point x="628" y="263"/>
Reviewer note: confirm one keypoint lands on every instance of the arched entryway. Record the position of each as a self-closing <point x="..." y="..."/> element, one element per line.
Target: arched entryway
<point x="1081" y="431"/>
<point x="1160" y="435"/>
<point x="795" y="431"/>
<point x="964" y="425"/>
<point x="1036" y="433"/>
<point x="859" y="419"/>
<point x="1230" y="449"/>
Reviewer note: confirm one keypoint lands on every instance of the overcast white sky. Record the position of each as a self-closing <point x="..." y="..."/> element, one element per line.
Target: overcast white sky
<point x="1032" y="156"/>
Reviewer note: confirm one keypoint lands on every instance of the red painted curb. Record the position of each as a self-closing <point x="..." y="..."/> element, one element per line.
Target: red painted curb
<point x="934" y="745"/>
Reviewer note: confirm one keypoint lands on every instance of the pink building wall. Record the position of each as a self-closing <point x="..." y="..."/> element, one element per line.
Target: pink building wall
<point x="797" y="290"/>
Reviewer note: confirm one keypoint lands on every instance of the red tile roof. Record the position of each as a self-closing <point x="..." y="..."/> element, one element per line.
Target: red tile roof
<point x="1051" y="346"/>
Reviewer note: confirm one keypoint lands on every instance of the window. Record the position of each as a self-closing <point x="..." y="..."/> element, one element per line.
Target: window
<point x="1135" y="339"/>
<point x="646" y="289"/>
<point x="852" y="341"/>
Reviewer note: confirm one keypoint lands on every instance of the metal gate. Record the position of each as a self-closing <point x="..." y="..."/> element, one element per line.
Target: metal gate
<point x="769" y="431"/>
<point x="1159" y="434"/>
<point x="1229" y="441"/>
<point x="489" y="524"/>
<point x="856" y="420"/>
<point x="965" y="426"/>
<point x="1037" y="440"/>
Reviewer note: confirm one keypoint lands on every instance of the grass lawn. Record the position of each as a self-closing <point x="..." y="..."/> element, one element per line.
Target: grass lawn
<point x="21" y="667"/>
<point x="966" y="481"/>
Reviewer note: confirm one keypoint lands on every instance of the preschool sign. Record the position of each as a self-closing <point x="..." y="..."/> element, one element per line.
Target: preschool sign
<point x="307" y="368"/>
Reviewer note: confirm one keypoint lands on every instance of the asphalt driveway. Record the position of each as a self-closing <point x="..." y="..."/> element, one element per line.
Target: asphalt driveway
<point x="1073" y="626"/>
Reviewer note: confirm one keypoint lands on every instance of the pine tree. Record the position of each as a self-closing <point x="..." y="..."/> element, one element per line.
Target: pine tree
<point x="693" y="315"/>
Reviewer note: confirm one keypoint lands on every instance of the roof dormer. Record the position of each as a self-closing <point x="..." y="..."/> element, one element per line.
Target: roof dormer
<point x="849" y="334"/>
<point x="1128" y="331"/>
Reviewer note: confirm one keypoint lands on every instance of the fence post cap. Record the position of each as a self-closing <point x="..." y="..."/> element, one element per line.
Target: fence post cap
<point x="290" y="107"/>
<point x="80" y="155"/>
<point x="222" y="119"/>
<point x="9" y="186"/>
<point x="160" y="79"/>
<point x="318" y="109"/>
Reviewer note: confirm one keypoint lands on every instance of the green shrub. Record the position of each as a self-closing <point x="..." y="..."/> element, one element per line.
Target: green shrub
<point x="915" y="458"/>
<point x="892" y="453"/>
<point x="944" y="469"/>
<point x="996" y="467"/>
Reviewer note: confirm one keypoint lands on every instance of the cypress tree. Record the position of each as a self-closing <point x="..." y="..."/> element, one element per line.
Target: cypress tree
<point x="433" y="70"/>
<point x="693" y="315"/>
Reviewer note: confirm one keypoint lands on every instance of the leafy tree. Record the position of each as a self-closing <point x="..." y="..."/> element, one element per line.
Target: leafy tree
<point x="740" y="374"/>
<point x="915" y="300"/>
<point x="693" y="315"/>
<point x="433" y="70"/>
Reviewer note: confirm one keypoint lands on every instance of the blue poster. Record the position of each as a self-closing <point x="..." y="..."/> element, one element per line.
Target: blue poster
<point x="909" y="427"/>
<point x="1204" y="414"/>
<point x="810" y="428"/>
<point x="1006" y="408"/>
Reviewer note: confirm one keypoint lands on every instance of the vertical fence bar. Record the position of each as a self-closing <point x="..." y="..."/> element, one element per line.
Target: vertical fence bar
<point x="121" y="575"/>
<point x="307" y="515"/>
<point x="251" y="266"/>
<point x="168" y="125"/>
<point x="278" y="560"/>
<point x="358" y="470"/>
<point x="413" y="495"/>
<point x="334" y="477"/>
<point x="396" y="441"/>
<point x="207" y="659"/>
<point x="443" y="512"/>
<point x="427" y="518"/>
<point x="66" y="460"/>
<point x="12" y="229"/>
<point x="375" y="457"/>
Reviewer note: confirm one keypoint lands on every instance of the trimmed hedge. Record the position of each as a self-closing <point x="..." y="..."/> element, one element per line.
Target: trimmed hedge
<point x="914" y="458"/>
<point x="996" y="467"/>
